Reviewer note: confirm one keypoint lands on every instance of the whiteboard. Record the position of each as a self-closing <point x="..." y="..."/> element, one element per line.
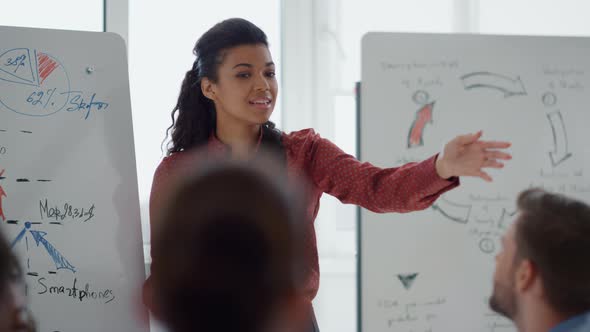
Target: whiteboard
<point x="432" y="270"/>
<point x="68" y="189"/>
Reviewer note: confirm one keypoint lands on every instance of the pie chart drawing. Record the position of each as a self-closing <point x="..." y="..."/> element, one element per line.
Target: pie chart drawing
<point x="32" y="82"/>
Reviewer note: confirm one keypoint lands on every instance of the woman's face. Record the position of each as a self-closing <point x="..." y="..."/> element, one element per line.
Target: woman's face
<point x="246" y="89"/>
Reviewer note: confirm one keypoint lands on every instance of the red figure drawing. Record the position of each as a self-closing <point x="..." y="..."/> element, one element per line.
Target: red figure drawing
<point x="423" y="116"/>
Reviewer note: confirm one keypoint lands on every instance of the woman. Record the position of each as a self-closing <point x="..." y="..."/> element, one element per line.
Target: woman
<point x="224" y="107"/>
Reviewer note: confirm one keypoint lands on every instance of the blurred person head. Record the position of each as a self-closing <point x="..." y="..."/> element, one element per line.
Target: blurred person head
<point x="14" y="315"/>
<point x="228" y="247"/>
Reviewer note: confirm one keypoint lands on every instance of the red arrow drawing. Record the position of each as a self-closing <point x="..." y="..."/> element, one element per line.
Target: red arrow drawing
<point x="423" y="116"/>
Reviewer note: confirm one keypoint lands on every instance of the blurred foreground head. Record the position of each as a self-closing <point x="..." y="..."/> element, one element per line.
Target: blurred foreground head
<point x="14" y="315"/>
<point x="228" y="249"/>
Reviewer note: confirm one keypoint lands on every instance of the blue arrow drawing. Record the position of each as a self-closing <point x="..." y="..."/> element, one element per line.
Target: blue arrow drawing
<point x="60" y="261"/>
<point x="19" y="236"/>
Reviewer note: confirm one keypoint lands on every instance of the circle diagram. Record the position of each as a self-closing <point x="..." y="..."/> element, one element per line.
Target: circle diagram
<point x="32" y="83"/>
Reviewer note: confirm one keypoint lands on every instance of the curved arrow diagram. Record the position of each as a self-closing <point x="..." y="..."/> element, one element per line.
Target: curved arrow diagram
<point x="423" y="116"/>
<point x="560" y="151"/>
<point x="483" y="79"/>
<point x="453" y="211"/>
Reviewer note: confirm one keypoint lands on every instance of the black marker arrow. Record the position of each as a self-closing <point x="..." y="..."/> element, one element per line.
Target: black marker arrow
<point x="483" y="79"/>
<point x="407" y="280"/>
<point x="453" y="211"/>
<point x="560" y="151"/>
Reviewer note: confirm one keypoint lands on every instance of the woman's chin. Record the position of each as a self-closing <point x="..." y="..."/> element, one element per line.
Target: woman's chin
<point x="263" y="117"/>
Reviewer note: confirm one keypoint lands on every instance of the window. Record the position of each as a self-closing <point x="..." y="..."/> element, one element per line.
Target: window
<point x="86" y="15"/>
<point x="534" y="17"/>
<point x="338" y="26"/>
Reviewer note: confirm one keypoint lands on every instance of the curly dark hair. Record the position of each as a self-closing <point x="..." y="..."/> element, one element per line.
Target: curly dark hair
<point x="193" y="117"/>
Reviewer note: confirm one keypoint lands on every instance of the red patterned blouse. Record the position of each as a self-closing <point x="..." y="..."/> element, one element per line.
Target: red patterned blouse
<point x="411" y="187"/>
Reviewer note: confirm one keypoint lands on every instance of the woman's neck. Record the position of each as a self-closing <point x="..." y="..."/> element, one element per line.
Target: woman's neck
<point x="241" y="139"/>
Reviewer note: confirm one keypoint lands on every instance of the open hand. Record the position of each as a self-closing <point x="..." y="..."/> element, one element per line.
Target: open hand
<point x="466" y="155"/>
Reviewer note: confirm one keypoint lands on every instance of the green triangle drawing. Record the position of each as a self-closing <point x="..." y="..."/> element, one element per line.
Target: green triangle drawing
<point x="407" y="279"/>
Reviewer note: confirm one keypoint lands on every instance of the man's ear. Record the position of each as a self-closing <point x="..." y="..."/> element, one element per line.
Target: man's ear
<point x="526" y="274"/>
<point x="207" y="88"/>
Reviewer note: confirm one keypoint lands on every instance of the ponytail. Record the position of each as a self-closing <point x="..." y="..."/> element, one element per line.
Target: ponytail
<point x="194" y="111"/>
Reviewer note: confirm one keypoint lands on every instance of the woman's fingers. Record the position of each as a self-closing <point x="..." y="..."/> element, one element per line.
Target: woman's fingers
<point x="495" y="144"/>
<point x="492" y="163"/>
<point x="497" y="155"/>
<point x="468" y="138"/>
<point x="484" y="176"/>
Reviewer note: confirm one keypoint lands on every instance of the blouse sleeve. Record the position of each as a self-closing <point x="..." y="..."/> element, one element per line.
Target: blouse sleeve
<point x="411" y="187"/>
<point x="160" y="180"/>
<point x="168" y="171"/>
